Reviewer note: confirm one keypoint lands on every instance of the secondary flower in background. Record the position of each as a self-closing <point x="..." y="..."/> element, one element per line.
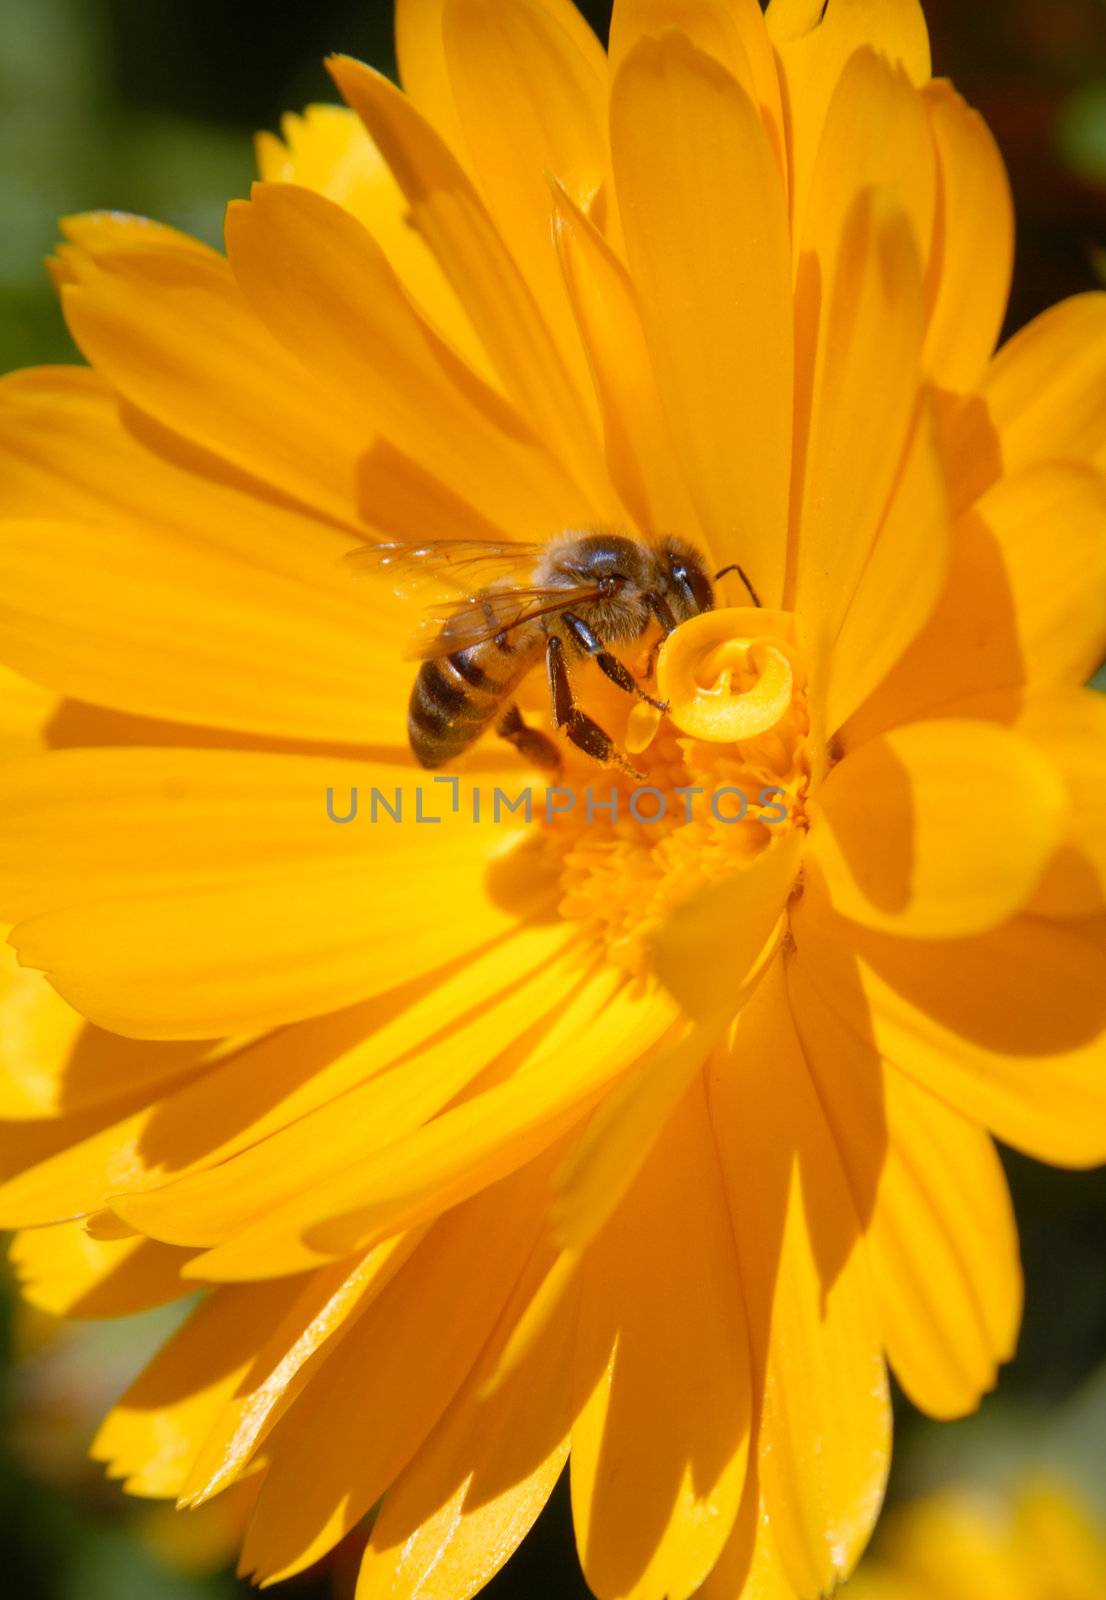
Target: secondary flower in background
<point x="1039" y="1541"/>
<point x="646" y="1143"/>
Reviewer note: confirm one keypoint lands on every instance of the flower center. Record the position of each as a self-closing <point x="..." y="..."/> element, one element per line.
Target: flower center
<point x="727" y="768"/>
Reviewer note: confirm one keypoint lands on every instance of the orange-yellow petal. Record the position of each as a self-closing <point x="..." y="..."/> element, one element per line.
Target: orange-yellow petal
<point x="26" y="710"/>
<point x="864" y="408"/>
<point x="616" y="1143"/>
<point x="875" y="136"/>
<point x="660" y="1445"/>
<point x="305" y="1335"/>
<point x="265" y="1085"/>
<point x="423" y="72"/>
<point x="224" y="1197"/>
<point x="193" y="894"/>
<point x="63" y="1270"/>
<point x="267" y="657"/>
<point x="860" y="262"/>
<point x="328" y="149"/>
<point x="792" y="19"/>
<point x="514" y="64"/>
<point x="704" y="213"/>
<point x="712" y="948"/>
<point x="168" y="327"/>
<point x="39" y="1033"/>
<point x="476" y="1142"/>
<point x="937" y="829"/>
<point x="1041" y="401"/>
<point x="936" y="1213"/>
<point x="973" y="257"/>
<point x="639" y="448"/>
<point x="732" y="32"/>
<point x="380" y="1392"/>
<point x="1046" y="392"/>
<point x="339" y="308"/>
<point x="1009" y="1028"/>
<point x="151" y="1436"/>
<point x="400" y="495"/>
<point x="944" y="1253"/>
<point x="55" y="1064"/>
<point x="814" y="44"/>
<point x="824" y="1438"/>
<point x="98" y="233"/>
<point x="449" y="213"/>
<point x="1069" y="725"/>
<point x="1006" y="618"/>
<point x="481" y="1479"/>
<point x="141" y="529"/>
<point x="749" y="1566"/>
<point x="904" y="579"/>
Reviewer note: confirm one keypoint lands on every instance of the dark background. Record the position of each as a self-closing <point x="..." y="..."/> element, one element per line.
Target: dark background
<point x="149" y="106"/>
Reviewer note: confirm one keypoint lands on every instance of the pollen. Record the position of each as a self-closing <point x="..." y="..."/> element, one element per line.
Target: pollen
<point x="726" y="771"/>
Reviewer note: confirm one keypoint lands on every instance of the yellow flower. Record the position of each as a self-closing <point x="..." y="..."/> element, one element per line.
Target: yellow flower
<point x="652" y="1140"/>
<point x="1038" y="1542"/>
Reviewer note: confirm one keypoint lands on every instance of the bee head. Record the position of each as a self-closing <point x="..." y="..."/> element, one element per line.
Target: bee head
<point x="688" y="585"/>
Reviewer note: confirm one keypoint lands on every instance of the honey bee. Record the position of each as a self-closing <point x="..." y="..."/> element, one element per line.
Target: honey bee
<point x="582" y="594"/>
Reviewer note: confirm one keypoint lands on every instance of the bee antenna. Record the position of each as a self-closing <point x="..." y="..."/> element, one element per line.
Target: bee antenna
<point x="754" y="597"/>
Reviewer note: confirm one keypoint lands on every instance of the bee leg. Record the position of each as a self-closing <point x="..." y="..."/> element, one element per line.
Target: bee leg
<point x="583" y="732"/>
<point x="607" y="663"/>
<point x="654" y="652"/>
<point x="661" y="611"/>
<point x="662" y="614"/>
<point x="533" y="745"/>
<point x="589" y="737"/>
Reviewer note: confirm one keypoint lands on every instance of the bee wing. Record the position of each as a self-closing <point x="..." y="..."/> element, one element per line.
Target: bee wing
<point x="481" y="572"/>
<point x="460" y="565"/>
<point x="481" y="617"/>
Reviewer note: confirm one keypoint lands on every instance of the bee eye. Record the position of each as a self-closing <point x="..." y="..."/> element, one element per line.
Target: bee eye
<point x="687" y="578"/>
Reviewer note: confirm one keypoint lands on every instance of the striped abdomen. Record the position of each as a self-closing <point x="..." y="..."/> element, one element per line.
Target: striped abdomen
<point x="457" y="696"/>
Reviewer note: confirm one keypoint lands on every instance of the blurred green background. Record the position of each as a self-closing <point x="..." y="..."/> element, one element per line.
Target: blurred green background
<point x="149" y="106"/>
